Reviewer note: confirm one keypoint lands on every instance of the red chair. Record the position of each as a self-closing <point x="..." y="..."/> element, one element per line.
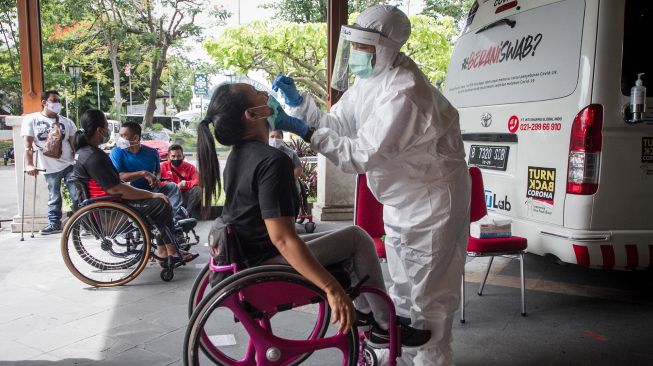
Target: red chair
<point x="513" y="246"/>
<point x="368" y="214"/>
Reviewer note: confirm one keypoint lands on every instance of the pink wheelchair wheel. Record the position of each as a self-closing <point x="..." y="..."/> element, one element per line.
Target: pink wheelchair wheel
<point x="252" y="308"/>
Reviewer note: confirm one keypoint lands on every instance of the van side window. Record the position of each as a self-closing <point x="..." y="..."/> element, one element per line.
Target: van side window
<point x="638" y="34"/>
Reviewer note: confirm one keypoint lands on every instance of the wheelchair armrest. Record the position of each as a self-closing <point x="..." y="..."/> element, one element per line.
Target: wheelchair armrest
<point x="110" y="197"/>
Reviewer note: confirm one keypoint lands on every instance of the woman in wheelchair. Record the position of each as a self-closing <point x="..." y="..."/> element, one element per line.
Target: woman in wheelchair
<point x="93" y="165"/>
<point x="261" y="204"/>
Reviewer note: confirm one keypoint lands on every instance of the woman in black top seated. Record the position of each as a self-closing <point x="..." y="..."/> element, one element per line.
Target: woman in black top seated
<point x="93" y="166"/>
<point x="262" y="202"/>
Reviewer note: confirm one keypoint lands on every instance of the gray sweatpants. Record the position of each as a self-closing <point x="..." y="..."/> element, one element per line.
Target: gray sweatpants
<point x="353" y="247"/>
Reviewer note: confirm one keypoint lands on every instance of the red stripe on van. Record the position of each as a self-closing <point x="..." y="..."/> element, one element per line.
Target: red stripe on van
<point x="608" y="256"/>
<point x="505" y="7"/>
<point x="582" y="255"/>
<point x="632" y="259"/>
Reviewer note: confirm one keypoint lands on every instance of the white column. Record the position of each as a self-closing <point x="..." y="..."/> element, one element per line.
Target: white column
<point x="41" y="200"/>
<point x="335" y="192"/>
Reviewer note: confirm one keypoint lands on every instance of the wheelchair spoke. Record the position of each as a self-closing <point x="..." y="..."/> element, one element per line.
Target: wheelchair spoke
<point x="243" y="308"/>
<point x="114" y="250"/>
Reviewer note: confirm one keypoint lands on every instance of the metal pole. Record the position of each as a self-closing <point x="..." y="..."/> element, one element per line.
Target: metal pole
<point x="201" y="106"/>
<point x="22" y="215"/>
<point x="97" y="83"/>
<point x="76" y="105"/>
<point x="36" y="178"/>
<point x="130" y="92"/>
<point x="67" y="106"/>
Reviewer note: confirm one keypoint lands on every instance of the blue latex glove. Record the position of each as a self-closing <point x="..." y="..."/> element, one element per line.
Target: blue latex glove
<point x="288" y="123"/>
<point x="288" y="90"/>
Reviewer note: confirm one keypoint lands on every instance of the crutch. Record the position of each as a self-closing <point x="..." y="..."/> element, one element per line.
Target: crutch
<point x="22" y="215"/>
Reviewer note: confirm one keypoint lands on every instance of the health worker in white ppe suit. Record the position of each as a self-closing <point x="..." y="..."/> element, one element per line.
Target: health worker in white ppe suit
<point x="393" y="125"/>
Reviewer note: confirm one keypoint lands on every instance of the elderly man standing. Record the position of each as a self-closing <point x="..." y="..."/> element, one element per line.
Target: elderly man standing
<point x="140" y="165"/>
<point x="184" y="175"/>
<point x="35" y="130"/>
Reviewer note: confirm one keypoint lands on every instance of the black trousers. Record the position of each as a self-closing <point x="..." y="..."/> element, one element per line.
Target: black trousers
<point x="191" y="201"/>
<point x="155" y="211"/>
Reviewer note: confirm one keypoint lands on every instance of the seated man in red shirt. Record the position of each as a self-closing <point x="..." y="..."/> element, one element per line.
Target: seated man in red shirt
<point x="184" y="175"/>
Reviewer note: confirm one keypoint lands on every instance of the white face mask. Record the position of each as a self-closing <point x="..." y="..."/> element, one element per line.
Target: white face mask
<point x="54" y="107"/>
<point x="123" y="143"/>
<point x="275" y="142"/>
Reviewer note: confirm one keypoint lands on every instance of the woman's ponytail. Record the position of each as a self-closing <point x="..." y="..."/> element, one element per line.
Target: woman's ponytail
<point x="80" y="139"/>
<point x="209" y="166"/>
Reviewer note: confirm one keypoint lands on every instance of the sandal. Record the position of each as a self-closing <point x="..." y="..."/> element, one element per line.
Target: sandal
<point x="185" y="258"/>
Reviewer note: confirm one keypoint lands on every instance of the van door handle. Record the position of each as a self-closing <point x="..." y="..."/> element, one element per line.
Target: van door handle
<point x="505" y="21"/>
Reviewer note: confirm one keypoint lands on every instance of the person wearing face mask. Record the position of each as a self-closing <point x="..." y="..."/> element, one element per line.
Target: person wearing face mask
<point x="262" y="201"/>
<point x="34" y="130"/>
<point x="95" y="168"/>
<point x="140" y="165"/>
<point x="276" y="140"/>
<point x="393" y="125"/>
<point x="184" y="175"/>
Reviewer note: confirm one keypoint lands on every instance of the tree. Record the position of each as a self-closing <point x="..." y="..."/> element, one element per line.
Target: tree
<point x="162" y="24"/>
<point x="297" y="50"/>
<point x="300" y="50"/>
<point x="10" y="86"/>
<point x="441" y="8"/>
<point x="315" y="11"/>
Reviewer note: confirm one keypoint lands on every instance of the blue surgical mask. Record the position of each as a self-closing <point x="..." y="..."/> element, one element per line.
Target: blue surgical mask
<point x="360" y="63"/>
<point x="273" y="104"/>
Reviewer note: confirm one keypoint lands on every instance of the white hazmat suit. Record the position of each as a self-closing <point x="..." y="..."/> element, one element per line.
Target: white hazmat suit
<point x="399" y="130"/>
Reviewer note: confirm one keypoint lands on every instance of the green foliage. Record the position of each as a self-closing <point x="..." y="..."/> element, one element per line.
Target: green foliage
<point x="10" y="86"/>
<point x="300" y="11"/>
<point x="443" y="8"/>
<point x="315" y="11"/>
<point x="297" y="50"/>
<point x="300" y="50"/>
<point x="430" y="45"/>
<point x="156" y="127"/>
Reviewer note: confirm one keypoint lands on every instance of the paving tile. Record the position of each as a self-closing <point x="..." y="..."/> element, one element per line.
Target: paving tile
<point x="51" y="318"/>
<point x="13" y="351"/>
<point x="93" y="349"/>
<point x="137" y="356"/>
<point x="55" y="337"/>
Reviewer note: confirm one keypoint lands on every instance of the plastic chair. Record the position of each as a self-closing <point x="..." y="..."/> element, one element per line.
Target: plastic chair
<point x="368" y="214"/>
<point x="491" y="247"/>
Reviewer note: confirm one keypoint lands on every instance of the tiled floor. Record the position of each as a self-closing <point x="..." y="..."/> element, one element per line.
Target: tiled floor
<point x="575" y="316"/>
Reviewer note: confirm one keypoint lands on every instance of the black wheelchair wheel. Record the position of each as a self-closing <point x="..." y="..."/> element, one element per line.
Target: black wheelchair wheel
<point x="105" y="244"/>
<point x="369" y="357"/>
<point x="309" y="227"/>
<point x="260" y="294"/>
<point x="167" y="274"/>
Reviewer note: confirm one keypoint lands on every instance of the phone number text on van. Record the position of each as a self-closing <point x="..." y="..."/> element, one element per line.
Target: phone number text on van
<point x="540" y="126"/>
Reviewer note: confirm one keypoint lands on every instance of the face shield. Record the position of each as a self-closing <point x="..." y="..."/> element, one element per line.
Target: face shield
<point x="349" y="35"/>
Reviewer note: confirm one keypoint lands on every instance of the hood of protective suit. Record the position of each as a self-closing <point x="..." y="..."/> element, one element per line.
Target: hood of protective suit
<point x="391" y="23"/>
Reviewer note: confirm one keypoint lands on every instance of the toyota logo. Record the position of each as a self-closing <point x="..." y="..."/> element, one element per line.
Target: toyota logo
<point x="486" y="120"/>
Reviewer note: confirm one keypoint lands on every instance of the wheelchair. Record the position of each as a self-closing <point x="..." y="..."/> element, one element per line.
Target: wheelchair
<point x="107" y="243"/>
<point x="251" y="306"/>
<point x="304" y="217"/>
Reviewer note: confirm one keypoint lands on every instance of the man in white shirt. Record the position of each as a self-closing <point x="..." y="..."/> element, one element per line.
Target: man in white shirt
<point x="35" y="129"/>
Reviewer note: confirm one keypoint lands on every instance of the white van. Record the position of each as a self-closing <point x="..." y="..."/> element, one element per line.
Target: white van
<point x="542" y="88"/>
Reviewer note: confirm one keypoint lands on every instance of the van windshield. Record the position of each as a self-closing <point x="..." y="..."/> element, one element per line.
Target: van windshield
<point x="526" y="59"/>
<point x="638" y="33"/>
